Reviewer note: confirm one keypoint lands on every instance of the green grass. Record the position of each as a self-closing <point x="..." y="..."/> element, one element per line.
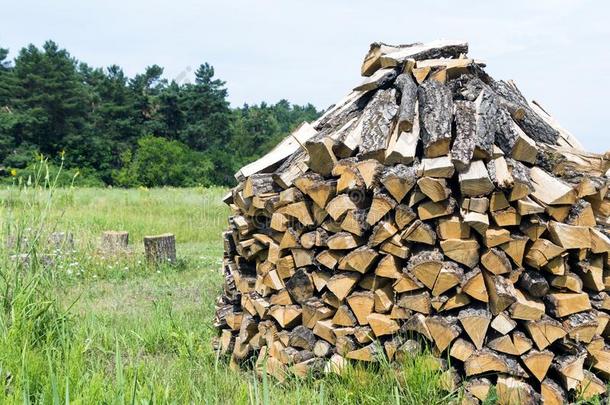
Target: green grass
<point x="94" y="330"/>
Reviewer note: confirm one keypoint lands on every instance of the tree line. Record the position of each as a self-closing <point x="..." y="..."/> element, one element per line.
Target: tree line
<point x="105" y="128"/>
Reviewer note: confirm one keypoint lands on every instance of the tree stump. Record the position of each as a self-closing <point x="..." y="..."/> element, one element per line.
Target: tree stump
<point x="61" y="241"/>
<point x="160" y="248"/>
<point x="114" y="242"/>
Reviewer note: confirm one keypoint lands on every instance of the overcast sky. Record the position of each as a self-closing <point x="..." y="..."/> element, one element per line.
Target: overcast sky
<point x="558" y="52"/>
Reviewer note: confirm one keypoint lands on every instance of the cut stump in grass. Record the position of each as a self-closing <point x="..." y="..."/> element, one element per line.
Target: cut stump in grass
<point x="61" y="241"/>
<point x="114" y="242"/>
<point x="160" y="248"/>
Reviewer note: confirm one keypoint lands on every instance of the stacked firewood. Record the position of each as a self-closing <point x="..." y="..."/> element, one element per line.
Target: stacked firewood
<point x="432" y="201"/>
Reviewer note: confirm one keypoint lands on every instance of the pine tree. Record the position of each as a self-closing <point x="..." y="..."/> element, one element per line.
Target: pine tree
<point x="51" y="99"/>
<point x="7" y="116"/>
<point x="208" y="116"/>
<point x="112" y="120"/>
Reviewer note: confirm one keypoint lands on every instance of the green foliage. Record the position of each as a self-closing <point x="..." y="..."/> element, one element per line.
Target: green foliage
<point x="60" y="176"/>
<point x="258" y="128"/>
<point x="51" y="103"/>
<point x="160" y="162"/>
<point x="50" y="98"/>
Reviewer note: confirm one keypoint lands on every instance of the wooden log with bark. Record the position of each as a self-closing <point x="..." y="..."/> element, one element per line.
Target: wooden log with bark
<point x="115" y="242"/>
<point x="160" y="248"/>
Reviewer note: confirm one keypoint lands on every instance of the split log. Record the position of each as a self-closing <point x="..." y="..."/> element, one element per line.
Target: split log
<point x="420" y="232"/>
<point x="341" y="284"/>
<point x="464" y="251"/>
<point x="362" y="304"/>
<point x="563" y="304"/>
<point x="435" y="112"/>
<point x="501" y="292"/>
<point x="513" y="391"/>
<point x="496" y="261"/>
<point x="569" y="236"/>
<point x="526" y="307"/>
<point x="570" y="370"/>
<point x="402" y="146"/>
<point x="462" y="150"/>
<point x="526" y="118"/>
<point x="433" y="188"/>
<point x="461" y="349"/>
<point x="287" y="147"/>
<point x="443" y="331"/>
<point x="591" y="386"/>
<point x="475" y="181"/>
<point x="486" y="125"/>
<point x="513" y="141"/>
<point x="438" y="167"/>
<point x="503" y="323"/>
<point x="408" y="101"/>
<point x="550" y="190"/>
<point x="479" y="387"/>
<point x="534" y="283"/>
<point x="486" y="360"/>
<point x="452" y="228"/>
<point x="382" y="324"/>
<point x="473" y="284"/>
<point x="380" y="206"/>
<point x="545" y="331"/>
<point x="399" y="180"/>
<point x="552" y="393"/>
<point x="419" y="51"/>
<point x="380" y="78"/>
<point x="377" y="124"/>
<point x="475" y="323"/>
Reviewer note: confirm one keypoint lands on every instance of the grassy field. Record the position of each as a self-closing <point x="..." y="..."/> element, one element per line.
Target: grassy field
<point x="88" y="329"/>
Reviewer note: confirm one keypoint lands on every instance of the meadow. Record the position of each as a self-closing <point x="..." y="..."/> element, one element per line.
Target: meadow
<point x="86" y="328"/>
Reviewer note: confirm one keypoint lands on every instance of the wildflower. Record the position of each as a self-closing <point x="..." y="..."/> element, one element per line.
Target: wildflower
<point x="13" y="172"/>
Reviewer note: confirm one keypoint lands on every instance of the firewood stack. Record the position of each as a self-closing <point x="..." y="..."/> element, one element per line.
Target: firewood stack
<point x="431" y="201"/>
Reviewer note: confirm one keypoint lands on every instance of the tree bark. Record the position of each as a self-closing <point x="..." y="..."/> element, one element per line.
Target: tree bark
<point x="486" y="123"/>
<point x="114" y="242"/>
<point x="377" y="121"/>
<point x="530" y="122"/>
<point x="534" y="283"/>
<point x="161" y="248"/>
<point x="465" y="129"/>
<point x="408" y="100"/>
<point x="435" y="112"/>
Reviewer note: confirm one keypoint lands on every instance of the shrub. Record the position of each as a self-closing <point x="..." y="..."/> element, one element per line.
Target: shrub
<point x="161" y="162"/>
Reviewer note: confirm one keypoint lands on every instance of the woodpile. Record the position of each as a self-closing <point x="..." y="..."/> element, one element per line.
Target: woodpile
<point x="433" y="201"/>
